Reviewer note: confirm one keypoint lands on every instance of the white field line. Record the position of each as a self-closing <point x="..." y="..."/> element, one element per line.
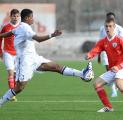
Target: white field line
<point x="65" y="101"/>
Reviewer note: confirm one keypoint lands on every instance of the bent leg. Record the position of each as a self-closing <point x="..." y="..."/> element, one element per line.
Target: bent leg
<point x="98" y="85"/>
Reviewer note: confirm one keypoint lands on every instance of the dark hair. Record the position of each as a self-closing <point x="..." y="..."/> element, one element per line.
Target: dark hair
<point x="25" y="13"/>
<point x="110" y="14"/>
<point x="14" y="11"/>
<point x="109" y="20"/>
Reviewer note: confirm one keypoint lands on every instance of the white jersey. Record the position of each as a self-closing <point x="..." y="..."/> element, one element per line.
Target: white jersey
<point x="23" y="42"/>
<point x="27" y="59"/>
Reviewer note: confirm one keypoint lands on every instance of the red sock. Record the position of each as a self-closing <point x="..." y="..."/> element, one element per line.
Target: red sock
<point x="11" y="82"/>
<point x="103" y="97"/>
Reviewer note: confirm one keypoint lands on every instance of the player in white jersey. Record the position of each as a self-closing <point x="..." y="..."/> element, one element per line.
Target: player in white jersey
<point x="28" y="60"/>
<point x="104" y="59"/>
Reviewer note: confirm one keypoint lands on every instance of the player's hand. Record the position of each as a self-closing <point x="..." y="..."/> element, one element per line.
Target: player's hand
<point x="115" y="69"/>
<point x="56" y="33"/>
<point x="87" y="57"/>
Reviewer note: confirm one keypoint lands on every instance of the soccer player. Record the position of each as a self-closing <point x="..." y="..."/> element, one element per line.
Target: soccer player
<point x="9" y="53"/>
<point x="112" y="44"/>
<point x="28" y="60"/>
<point x="103" y="57"/>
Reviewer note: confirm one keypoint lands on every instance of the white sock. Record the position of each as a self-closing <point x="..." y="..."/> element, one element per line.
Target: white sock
<point x="114" y="90"/>
<point x="72" y="72"/>
<point x="7" y="96"/>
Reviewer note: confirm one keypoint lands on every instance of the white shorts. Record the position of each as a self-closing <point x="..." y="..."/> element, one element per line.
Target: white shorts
<point x="109" y="77"/>
<point x="26" y="65"/>
<point x="104" y="58"/>
<point x="9" y="61"/>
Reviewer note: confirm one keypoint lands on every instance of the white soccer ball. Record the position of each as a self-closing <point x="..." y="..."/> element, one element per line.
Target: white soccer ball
<point x="88" y="76"/>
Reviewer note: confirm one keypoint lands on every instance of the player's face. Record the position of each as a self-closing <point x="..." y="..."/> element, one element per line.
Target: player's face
<point x="15" y="18"/>
<point x="110" y="27"/>
<point x="30" y="19"/>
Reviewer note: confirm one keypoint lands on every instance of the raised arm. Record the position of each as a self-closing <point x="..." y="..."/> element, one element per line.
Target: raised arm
<point x="6" y="34"/>
<point x="46" y="37"/>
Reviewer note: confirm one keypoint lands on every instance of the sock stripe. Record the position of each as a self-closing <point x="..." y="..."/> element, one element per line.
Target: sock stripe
<point x="13" y="92"/>
<point x="63" y="69"/>
<point x="8" y="99"/>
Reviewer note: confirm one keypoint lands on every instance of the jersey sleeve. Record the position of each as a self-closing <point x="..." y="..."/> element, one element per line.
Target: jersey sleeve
<point x="29" y="33"/>
<point x="96" y="50"/>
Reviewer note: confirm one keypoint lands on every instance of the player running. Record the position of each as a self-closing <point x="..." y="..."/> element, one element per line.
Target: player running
<point x="28" y="60"/>
<point x="113" y="46"/>
<point x="9" y="53"/>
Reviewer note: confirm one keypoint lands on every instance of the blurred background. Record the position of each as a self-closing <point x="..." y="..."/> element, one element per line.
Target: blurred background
<point x="80" y="21"/>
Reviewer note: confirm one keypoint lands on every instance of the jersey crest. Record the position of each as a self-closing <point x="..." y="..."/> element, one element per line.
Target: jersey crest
<point x="114" y="44"/>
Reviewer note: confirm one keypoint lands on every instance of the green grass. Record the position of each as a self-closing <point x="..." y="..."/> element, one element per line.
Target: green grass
<point x="41" y="98"/>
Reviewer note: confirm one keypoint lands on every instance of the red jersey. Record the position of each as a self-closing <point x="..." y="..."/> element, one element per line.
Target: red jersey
<point x="113" y="49"/>
<point x="8" y="41"/>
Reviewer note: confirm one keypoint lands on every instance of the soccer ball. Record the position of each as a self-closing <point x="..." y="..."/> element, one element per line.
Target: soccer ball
<point x="88" y="76"/>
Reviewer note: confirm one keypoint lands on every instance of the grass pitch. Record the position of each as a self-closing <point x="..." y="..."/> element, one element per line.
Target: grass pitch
<point x="51" y="96"/>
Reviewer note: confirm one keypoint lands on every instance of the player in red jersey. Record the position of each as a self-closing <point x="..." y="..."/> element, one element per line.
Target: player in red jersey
<point x="113" y="45"/>
<point x="8" y="52"/>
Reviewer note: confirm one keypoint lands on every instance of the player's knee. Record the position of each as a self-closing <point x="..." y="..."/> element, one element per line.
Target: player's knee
<point x="96" y="84"/>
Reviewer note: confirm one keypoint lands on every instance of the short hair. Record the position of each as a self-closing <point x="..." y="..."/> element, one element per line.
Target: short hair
<point x="14" y="11"/>
<point x="110" y="14"/>
<point x="25" y="13"/>
<point x="108" y="20"/>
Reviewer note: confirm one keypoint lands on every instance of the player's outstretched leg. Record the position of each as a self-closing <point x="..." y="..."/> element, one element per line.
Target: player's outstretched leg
<point x="51" y="66"/>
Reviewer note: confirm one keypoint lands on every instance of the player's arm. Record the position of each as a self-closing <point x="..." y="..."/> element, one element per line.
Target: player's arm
<point x="44" y="38"/>
<point x="95" y="51"/>
<point x="3" y="35"/>
<point x="7" y="34"/>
